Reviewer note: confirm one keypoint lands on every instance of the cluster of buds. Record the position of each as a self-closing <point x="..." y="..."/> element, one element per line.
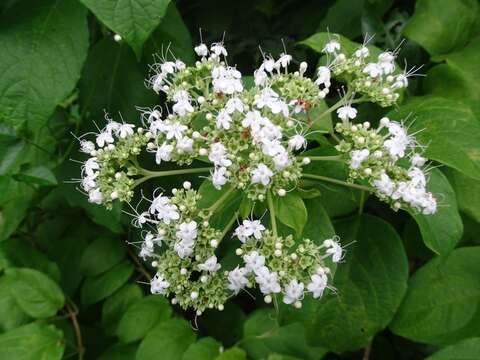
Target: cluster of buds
<point x="107" y="174"/>
<point x="387" y="158"/>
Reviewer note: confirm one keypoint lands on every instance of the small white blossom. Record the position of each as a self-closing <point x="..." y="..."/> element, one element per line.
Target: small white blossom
<point x="163" y="153"/>
<point x="358" y="156"/>
<point x="317" y="285"/>
<point x="237" y="279"/>
<point x="187" y="231"/>
<point x="347" y="112"/>
<point x="253" y="261"/>
<point x="210" y="265"/>
<point x="219" y="177"/>
<point x="95" y="196"/>
<point x="261" y="175"/>
<point x="158" y="285"/>
<point x="293" y="292"/>
<point x="331" y="47"/>
<point x="223" y="120"/>
<point x="164" y="209"/>
<point x="267" y="280"/>
<point x="201" y="50"/>
<point x="297" y="142"/>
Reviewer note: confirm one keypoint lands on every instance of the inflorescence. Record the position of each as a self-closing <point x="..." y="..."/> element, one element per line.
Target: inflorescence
<point x="251" y="137"/>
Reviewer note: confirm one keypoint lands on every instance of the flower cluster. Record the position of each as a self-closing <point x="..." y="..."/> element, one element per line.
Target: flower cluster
<point x="388" y="159"/>
<point x="108" y="172"/>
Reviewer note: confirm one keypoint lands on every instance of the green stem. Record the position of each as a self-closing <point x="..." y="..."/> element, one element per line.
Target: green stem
<point x="336" y="181"/>
<point x="323" y="158"/>
<point x="228" y="226"/>
<point x="362" y="202"/>
<point x="153" y="174"/>
<point x="220" y="200"/>
<point x="271" y="210"/>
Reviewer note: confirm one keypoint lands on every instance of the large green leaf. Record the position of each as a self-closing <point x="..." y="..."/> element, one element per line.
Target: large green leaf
<point x="468" y="349"/>
<point x="318" y="227"/>
<point x="37" y="294"/>
<point x="172" y="33"/>
<point x="441" y="25"/>
<point x="101" y="255"/>
<point x="44" y="44"/>
<point x="443" y="298"/>
<point x="370" y="285"/>
<point x="262" y="336"/>
<point x="39" y="175"/>
<point x="120" y="352"/>
<point x="290" y="210"/>
<point x="142" y="316"/>
<point x="442" y="230"/>
<point x="234" y="353"/>
<point x="450" y="130"/>
<point x="134" y="20"/>
<point x="170" y="338"/>
<point x="204" y="349"/>
<point x="116" y="305"/>
<point x="11" y="315"/>
<point x="32" y="342"/>
<point x="467" y="192"/>
<point x="113" y="81"/>
<point x="101" y="286"/>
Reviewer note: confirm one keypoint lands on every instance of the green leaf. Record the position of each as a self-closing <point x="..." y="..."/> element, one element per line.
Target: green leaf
<point x="318" y="227"/>
<point x="442" y="230"/>
<point x="142" y="316"/>
<point x="290" y="210"/>
<point x="15" y="253"/>
<point x="34" y="292"/>
<point x="45" y="44"/>
<point x="459" y="77"/>
<point x="12" y="150"/>
<point x="262" y="336"/>
<point x="441" y="25"/>
<point x="441" y="305"/>
<point x="204" y="349"/>
<point x="101" y="255"/>
<point x="214" y="324"/>
<point x="467" y="191"/>
<point x="134" y="20"/>
<point x="450" y="130"/>
<point x="120" y="352"/>
<point x="170" y="338"/>
<point x="172" y="33"/>
<point x="116" y="305"/>
<point x="112" y="80"/>
<point x="32" y="342"/>
<point x="234" y="353"/>
<point x="99" y="287"/>
<point x="39" y="175"/>
<point x="11" y="315"/>
<point x="14" y="201"/>
<point x="464" y="350"/>
<point x="370" y="285"/>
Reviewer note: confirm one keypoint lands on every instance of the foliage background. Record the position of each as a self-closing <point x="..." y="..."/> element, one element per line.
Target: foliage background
<point x="70" y="287"/>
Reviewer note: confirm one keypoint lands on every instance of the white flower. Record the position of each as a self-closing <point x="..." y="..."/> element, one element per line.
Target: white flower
<point x="297" y="142"/>
<point x="185" y="144"/>
<point x="187" y="231"/>
<point x="358" y="156"/>
<point x="163" y="153"/>
<point x="417" y="177"/>
<point x="317" y="285"/>
<point x="158" y="285"/>
<point x="386" y="61"/>
<point x="183" y="248"/>
<point x="362" y="52"/>
<point x="226" y="80"/>
<point x="158" y="126"/>
<point x="219" y="177"/>
<point x="417" y="160"/>
<point x="283" y="61"/>
<point x="88" y="182"/>
<point x="269" y="98"/>
<point x="397" y="144"/>
<point x="253" y="227"/>
<point x="182" y="105"/>
<point x="334" y="249"/>
<point x="125" y="130"/>
<point x="268" y="64"/>
<point x="241" y="233"/>
<point x="156" y="81"/>
<point x="163" y="209"/>
<point x="218" y="155"/>
<point x="234" y="104"/>
<point x="331" y="47"/>
<point x="261" y="175"/>
<point x="90" y="166"/>
<point x="168" y="67"/>
<point x="104" y="138"/>
<point x="87" y="146"/>
<point x="293" y="292"/>
<point x="346" y="112"/>
<point x="112" y="127"/>
<point x="260" y="77"/>
<point x="237" y="279"/>
<point x="201" y="50"/>
<point x="372" y="69"/>
<point x="175" y="130"/>
<point x="267" y="280"/>
<point x="253" y="261"/>
<point x="384" y="185"/>
<point x="223" y="120"/>
<point x="281" y="160"/>
<point x="253" y="120"/>
<point x="323" y="76"/>
<point x="272" y="147"/>
<point x="218" y="49"/>
<point x="401" y="81"/>
<point x="210" y="264"/>
<point x="95" y="196"/>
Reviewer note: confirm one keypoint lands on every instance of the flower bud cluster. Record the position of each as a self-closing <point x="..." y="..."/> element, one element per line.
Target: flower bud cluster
<point x="280" y="266"/>
<point x="374" y="77"/>
<point x="107" y="173"/>
<point x="387" y="158"/>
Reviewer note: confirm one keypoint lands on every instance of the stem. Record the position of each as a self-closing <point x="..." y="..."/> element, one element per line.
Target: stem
<point x="366" y="353"/>
<point x="324" y="158"/>
<point x="336" y="181"/>
<point x="72" y="312"/>
<point x="362" y="202"/>
<point x="228" y="226"/>
<point x="153" y="174"/>
<point x="271" y="210"/>
<point x="220" y="200"/>
<point x="140" y="266"/>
